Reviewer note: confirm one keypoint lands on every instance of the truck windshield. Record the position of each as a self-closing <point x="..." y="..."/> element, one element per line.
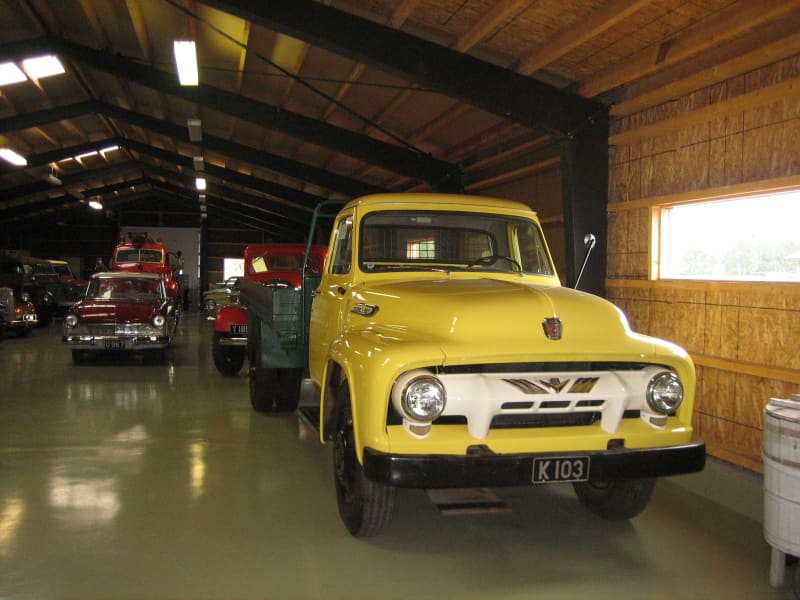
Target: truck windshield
<point x="413" y="240"/>
<point x="143" y="255"/>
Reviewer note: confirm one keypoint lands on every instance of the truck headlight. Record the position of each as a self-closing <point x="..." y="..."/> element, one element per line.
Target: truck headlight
<point x="664" y="392"/>
<point x="159" y="320"/>
<point x="71" y="320"/>
<point x="423" y="398"/>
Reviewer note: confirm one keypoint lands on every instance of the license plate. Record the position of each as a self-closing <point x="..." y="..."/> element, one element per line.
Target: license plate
<point x="560" y="468"/>
<point x="115" y="344"/>
<point x="239" y="329"/>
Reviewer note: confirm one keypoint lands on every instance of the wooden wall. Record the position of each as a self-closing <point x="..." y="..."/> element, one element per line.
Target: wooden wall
<point x="737" y="136"/>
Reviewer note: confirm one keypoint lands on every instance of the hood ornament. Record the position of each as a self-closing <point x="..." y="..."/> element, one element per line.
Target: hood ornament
<point x="552" y="328"/>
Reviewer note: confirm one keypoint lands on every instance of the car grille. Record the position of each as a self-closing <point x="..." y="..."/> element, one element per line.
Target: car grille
<point x="100" y="329"/>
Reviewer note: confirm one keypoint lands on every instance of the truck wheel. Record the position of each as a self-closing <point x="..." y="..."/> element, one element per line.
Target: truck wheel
<point x="288" y="388"/>
<point x="365" y="506"/>
<point x="617" y="499"/>
<point x="260" y="398"/>
<point x="258" y="376"/>
<point x="228" y="360"/>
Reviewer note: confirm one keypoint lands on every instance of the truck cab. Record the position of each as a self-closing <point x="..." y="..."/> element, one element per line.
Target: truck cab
<point x="444" y="352"/>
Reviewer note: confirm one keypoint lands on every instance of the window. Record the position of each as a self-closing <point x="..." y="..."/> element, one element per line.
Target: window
<point x="232" y="267"/>
<point x="342" y="250"/>
<point x="413" y="240"/>
<point x="753" y="238"/>
<point x="421" y="249"/>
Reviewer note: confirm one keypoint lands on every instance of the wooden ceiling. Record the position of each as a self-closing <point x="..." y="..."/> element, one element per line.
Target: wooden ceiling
<point x="301" y="101"/>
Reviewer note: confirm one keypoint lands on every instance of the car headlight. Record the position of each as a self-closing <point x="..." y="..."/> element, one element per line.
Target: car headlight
<point x="71" y="320"/>
<point x="422" y="398"/>
<point x="664" y="392"/>
<point x="159" y="320"/>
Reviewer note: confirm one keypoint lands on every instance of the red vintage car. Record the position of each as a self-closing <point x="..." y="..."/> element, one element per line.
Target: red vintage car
<point x="277" y="265"/>
<point x="18" y="313"/>
<point x="121" y="311"/>
<point x="144" y="255"/>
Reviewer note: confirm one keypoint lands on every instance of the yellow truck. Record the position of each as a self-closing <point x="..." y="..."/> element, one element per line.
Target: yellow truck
<point x="444" y="352"/>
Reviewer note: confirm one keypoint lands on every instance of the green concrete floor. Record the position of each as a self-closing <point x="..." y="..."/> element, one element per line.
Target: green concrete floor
<point x="130" y="480"/>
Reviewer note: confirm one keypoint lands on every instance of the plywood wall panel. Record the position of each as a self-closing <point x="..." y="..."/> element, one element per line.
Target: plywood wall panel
<point x="745" y="330"/>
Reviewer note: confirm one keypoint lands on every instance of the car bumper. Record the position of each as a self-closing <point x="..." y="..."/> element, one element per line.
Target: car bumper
<point x="140" y="342"/>
<point x="24" y="323"/>
<point x="485" y="469"/>
<point x="231" y="340"/>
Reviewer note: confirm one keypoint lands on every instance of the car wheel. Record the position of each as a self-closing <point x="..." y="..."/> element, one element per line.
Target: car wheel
<point x="228" y="360"/>
<point x="617" y="499"/>
<point x="23" y="332"/>
<point x="364" y="505"/>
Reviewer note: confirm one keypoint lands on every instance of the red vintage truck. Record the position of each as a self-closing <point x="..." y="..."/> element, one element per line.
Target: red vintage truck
<point x="267" y="265"/>
<point x="144" y="255"/>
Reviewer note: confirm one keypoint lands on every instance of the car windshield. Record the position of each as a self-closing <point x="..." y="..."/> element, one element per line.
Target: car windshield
<point x="143" y="255"/>
<point x="406" y="240"/>
<point x="118" y="288"/>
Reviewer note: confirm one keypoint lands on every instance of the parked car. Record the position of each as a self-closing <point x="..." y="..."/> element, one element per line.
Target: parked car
<point x="124" y="312"/>
<point x="34" y="277"/>
<point x="268" y="265"/>
<point x="225" y="294"/>
<point x="18" y="313"/>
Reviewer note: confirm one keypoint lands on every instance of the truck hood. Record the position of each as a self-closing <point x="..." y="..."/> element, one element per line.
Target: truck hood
<point x="500" y="318"/>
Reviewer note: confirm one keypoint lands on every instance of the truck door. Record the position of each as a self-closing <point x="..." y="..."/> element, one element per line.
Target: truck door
<point x="330" y="298"/>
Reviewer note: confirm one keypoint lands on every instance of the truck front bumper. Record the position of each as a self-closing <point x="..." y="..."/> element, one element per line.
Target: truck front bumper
<point x="482" y="468"/>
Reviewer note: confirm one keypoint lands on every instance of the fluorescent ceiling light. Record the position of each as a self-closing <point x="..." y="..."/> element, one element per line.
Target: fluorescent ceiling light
<point x="9" y="155"/>
<point x="40" y="67"/>
<point x="80" y="157"/>
<point x="198" y="163"/>
<point x="95" y="204"/>
<point x="202" y="198"/>
<point x="186" y="61"/>
<point x="10" y="73"/>
<point x="200" y="182"/>
<point x="195" y="130"/>
<point x="103" y="151"/>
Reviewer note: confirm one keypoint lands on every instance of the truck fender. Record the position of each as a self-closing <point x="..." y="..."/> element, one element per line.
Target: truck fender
<point x="230" y="315"/>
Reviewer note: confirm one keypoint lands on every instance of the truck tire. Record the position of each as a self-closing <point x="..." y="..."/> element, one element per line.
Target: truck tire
<point x="260" y="398"/>
<point x="228" y="360"/>
<point x="287" y="389"/>
<point x="258" y="377"/>
<point x="364" y="505"/>
<point x="617" y="499"/>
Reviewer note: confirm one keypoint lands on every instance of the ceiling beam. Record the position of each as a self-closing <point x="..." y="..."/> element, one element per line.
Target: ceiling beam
<point x="397" y="159"/>
<point x="285" y="166"/>
<point x="490" y="87"/>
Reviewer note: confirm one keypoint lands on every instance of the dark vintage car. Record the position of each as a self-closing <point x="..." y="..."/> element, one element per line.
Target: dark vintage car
<point x="18" y="313"/>
<point x="37" y="279"/>
<point x="122" y="312"/>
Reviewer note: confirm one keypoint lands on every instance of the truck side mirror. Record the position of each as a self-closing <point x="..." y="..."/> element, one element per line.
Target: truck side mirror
<point x="589" y="242"/>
